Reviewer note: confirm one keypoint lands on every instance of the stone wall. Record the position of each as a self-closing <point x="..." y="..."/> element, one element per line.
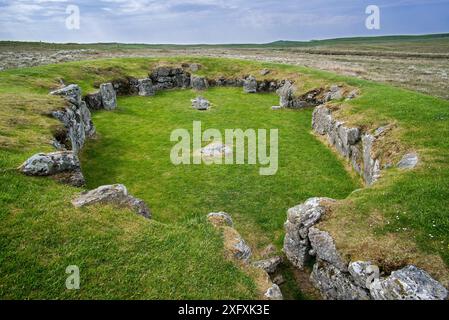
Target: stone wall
<point x="339" y="279"/>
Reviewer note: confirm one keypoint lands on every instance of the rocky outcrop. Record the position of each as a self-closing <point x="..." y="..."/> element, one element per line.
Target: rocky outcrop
<point x="250" y="85"/>
<point x="335" y="284"/>
<point x="76" y="118"/>
<point x="334" y="277"/>
<point x="299" y="220"/>
<point x="113" y="194"/>
<point x="200" y="104"/>
<point x="170" y="78"/>
<point x="409" y="283"/>
<point x="108" y="96"/>
<point x="63" y="165"/>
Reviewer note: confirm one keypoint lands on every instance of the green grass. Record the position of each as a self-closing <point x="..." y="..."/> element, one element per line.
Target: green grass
<point x="134" y="149"/>
<point x="402" y="219"/>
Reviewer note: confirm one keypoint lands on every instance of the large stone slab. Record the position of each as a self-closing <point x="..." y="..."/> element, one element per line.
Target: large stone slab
<point x="112" y="194"/>
<point x="108" y="96"/>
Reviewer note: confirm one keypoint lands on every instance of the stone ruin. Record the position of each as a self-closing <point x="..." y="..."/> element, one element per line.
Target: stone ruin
<point x="332" y="275"/>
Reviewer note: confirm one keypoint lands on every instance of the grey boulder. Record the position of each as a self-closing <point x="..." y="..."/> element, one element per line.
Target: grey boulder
<point x="324" y="247"/>
<point x="250" y="85"/>
<point x="108" y="96"/>
<point x="274" y="293"/>
<point x="199" y="83"/>
<point x="220" y="219"/>
<point x="200" y="104"/>
<point x="409" y="161"/>
<point x="269" y="265"/>
<point x="112" y="194"/>
<point x="409" y="283"/>
<point x="146" y="87"/>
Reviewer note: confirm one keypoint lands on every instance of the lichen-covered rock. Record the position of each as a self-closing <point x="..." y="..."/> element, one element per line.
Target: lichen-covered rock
<point x="250" y="85"/>
<point x="220" y="219"/>
<point x="286" y="95"/>
<point x="274" y="293"/>
<point x="199" y="83"/>
<point x="335" y="284"/>
<point x="324" y="247"/>
<point x="361" y="271"/>
<point x="409" y="161"/>
<point x="76" y="118"/>
<point x="112" y="194"/>
<point x="335" y="93"/>
<point x="146" y="88"/>
<point x="371" y="165"/>
<point x="64" y="164"/>
<point x="299" y="220"/>
<point x="93" y="101"/>
<point x="108" y="96"/>
<point x="71" y="92"/>
<point x="409" y="283"/>
<point x="235" y="247"/>
<point x="322" y="120"/>
<point x="200" y="104"/>
<point x="269" y="265"/>
<point x="47" y="164"/>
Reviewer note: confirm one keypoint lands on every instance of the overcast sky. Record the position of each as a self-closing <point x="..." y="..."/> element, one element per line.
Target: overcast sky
<point x="215" y="21"/>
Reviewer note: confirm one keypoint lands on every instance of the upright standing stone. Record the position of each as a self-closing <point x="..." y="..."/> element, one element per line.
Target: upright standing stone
<point x="108" y="96"/>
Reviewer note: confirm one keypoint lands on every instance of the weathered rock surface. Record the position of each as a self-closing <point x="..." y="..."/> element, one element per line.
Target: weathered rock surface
<point x="335" y="93"/>
<point x="274" y="293"/>
<point x="358" y="148"/>
<point x="200" y="104"/>
<point x="371" y="165"/>
<point x="335" y="284"/>
<point x="409" y="161"/>
<point x="146" y="88"/>
<point x="240" y="249"/>
<point x="299" y="220"/>
<point x="127" y="86"/>
<point x="220" y="219"/>
<point x="324" y="248"/>
<point x="108" y="96"/>
<point x="409" y="283"/>
<point x="63" y="163"/>
<point x="286" y="94"/>
<point x="170" y="78"/>
<point x="199" y="83"/>
<point x="361" y="271"/>
<point x="76" y="118"/>
<point x="93" y="101"/>
<point x="250" y="85"/>
<point x="216" y="149"/>
<point x="269" y="265"/>
<point x="264" y="72"/>
<point x="112" y="194"/>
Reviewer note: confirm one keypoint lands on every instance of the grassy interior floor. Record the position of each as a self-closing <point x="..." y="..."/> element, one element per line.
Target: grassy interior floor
<point x="134" y="147"/>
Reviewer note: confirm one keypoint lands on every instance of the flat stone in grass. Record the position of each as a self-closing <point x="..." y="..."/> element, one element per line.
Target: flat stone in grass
<point x="269" y="265"/>
<point x="409" y="161"/>
<point x="216" y="149"/>
<point x="200" y="104"/>
<point x="116" y="194"/>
